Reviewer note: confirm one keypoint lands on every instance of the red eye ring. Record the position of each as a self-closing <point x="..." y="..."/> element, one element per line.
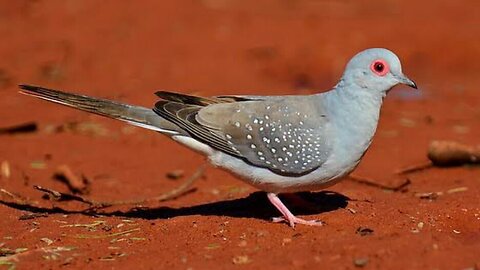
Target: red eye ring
<point x="380" y="67"/>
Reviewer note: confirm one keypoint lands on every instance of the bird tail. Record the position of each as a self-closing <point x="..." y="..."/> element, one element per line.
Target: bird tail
<point x="135" y="115"/>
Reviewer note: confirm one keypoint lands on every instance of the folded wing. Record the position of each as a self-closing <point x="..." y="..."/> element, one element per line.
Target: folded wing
<point x="286" y="135"/>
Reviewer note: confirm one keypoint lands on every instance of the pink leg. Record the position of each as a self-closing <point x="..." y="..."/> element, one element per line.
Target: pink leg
<point x="287" y="215"/>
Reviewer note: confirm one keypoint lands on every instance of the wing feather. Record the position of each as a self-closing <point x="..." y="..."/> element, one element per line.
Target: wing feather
<point x="286" y="135"/>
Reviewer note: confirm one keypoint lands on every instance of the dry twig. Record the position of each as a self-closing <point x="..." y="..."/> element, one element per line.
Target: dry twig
<point x="73" y="182"/>
<point x="415" y="168"/>
<point x="60" y="196"/>
<point x="445" y="153"/>
<point x="170" y="195"/>
<point x="184" y="188"/>
<point x="369" y="182"/>
<point x="16" y="198"/>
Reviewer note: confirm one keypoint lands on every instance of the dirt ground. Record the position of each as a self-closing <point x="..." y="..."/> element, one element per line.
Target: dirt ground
<point x="126" y="50"/>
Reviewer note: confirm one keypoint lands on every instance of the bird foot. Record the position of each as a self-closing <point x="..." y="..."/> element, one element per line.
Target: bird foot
<point x="288" y="217"/>
<point x="295" y="220"/>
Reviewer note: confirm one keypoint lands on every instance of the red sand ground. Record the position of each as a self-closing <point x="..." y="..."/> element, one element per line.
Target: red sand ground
<point x="127" y="50"/>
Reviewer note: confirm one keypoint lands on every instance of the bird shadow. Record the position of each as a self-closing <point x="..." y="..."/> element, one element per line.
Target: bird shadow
<point x="255" y="205"/>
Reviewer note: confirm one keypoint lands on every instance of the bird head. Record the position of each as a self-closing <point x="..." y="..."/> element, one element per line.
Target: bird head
<point x="377" y="70"/>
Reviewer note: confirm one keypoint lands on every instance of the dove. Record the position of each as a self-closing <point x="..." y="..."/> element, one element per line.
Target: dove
<point x="278" y="144"/>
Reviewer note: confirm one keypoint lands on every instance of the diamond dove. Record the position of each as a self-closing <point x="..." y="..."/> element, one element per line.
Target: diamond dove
<point x="279" y="144"/>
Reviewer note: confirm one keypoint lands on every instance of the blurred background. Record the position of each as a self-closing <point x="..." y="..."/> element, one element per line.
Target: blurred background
<point x="225" y="46"/>
<point x="127" y="50"/>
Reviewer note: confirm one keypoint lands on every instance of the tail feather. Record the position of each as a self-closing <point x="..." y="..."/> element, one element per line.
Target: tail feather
<point x="135" y="115"/>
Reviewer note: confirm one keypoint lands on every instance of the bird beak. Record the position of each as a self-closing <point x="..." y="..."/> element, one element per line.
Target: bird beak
<point x="403" y="79"/>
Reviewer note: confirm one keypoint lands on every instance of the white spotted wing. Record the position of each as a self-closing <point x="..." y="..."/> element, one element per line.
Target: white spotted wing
<point x="286" y="134"/>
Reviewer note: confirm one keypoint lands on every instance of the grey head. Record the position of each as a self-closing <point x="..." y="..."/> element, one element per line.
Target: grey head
<point x="375" y="69"/>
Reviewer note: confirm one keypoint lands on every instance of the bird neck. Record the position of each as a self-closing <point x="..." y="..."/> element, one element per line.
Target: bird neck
<point x="356" y="112"/>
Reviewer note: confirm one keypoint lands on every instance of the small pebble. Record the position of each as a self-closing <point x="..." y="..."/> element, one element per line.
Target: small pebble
<point x="286" y="241"/>
<point x="363" y="231"/>
<point x="175" y="174"/>
<point x="360" y="262"/>
<point x="241" y="259"/>
<point x="5" y="169"/>
<point x="242" y="243"/>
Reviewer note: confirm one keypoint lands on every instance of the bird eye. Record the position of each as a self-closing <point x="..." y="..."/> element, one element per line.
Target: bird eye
<point x="379" y="67"/>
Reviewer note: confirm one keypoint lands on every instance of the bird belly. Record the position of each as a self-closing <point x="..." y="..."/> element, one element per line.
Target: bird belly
<point x="326" y="175"/>
<point x="331" y="172"/>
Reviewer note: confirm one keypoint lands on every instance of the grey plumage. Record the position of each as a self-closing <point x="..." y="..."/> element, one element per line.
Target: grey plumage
<point x="275" y="143"/>
<point x="286" y="136"/>
<point x="135" y="115"/>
